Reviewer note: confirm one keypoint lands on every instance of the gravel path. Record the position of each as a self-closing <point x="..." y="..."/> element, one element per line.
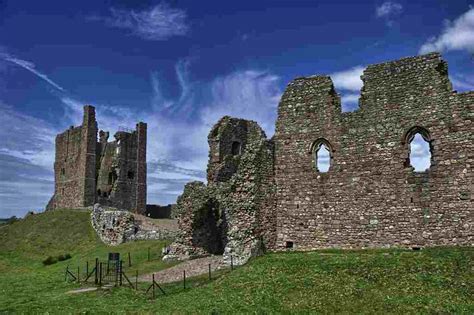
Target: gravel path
<point x="193" y="268"/>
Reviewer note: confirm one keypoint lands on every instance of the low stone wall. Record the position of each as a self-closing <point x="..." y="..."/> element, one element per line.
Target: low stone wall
<point x="114" y="226"/>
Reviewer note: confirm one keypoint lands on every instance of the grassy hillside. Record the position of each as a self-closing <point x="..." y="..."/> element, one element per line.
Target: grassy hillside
<point x="439" y="280"/>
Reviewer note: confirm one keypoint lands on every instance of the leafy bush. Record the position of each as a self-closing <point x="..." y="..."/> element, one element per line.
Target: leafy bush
<point x="50" y="260"/>
<point x="64" y="257"/>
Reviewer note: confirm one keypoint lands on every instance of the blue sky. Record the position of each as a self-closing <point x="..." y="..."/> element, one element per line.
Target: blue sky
<point x="181" y="65"/>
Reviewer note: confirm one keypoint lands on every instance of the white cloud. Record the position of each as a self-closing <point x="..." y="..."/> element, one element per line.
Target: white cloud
<point x="388" y="9"/>
<point x="159" y="22"/>
<point x="30" y="67"/>
<point x="456" y="35"/>
<point x="177" y="149"/>
<point x="348" y="79"/>
<point x="348" y="84"/>
<point x="245" y="94"/>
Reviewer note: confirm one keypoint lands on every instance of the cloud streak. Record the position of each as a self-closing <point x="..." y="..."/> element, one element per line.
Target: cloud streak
<point x="456" y="35"/>
<point x="157" y="23"/>
<point x="31" y="67"/>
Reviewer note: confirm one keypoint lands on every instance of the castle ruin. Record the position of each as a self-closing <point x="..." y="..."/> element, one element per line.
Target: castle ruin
<point x="268" y="194"/>
<point x="89" y="170"/>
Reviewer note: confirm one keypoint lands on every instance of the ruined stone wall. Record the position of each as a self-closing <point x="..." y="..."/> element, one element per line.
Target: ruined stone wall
<point x="114" y="227"/>
<point x="226" y="216"/>
<point x="74" y="166"/>
<point x="89" y="171"/>
<point x="371" y="196"/>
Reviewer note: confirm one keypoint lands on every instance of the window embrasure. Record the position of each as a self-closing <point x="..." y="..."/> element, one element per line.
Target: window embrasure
<point x="419" y="149"/>
<point x="322" y="152"/>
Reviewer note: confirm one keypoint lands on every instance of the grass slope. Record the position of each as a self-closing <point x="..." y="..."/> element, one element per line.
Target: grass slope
<point x="438" y="280"/>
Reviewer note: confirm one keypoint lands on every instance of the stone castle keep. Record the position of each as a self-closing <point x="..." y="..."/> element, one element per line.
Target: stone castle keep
<point x="89" y="171"/>
<point x="267" y="194"/>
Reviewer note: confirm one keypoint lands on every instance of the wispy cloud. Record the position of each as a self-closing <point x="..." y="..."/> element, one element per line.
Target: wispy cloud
<point x="26" y="162"/>
<point x="462" y="82"/>
<point x="456" y="35"/>
<point x="177" y="131"/>
<point x="388" y="11"/>
<point x="30" y="67"/>
<point x="159" y="22"/>
<point x="247" y="94"/>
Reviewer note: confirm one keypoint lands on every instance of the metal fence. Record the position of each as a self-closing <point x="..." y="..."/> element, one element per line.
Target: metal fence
<point x="115" y="273"/>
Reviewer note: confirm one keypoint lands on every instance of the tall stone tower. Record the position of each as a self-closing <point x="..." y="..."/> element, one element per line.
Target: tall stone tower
<point x="89" y="171"/>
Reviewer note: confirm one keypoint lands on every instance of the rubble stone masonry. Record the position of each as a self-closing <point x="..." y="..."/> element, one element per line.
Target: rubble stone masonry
<point x="371" y="196"/>
<point x="89" y="171"/>
<point x="269" y="195"/>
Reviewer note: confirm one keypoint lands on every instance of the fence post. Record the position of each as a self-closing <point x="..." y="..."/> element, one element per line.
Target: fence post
<point x="184" y="279"/>
<point x="129" y="260"/>
<point x="78" y="273"/>
<point x="153" y="284"/>
<point x="209" y="271"/>
<point x="100" y="274"/>
<point x="148" y="253"/>
<point x="231" y="262"/>
<point x="121" y="271"/>
<point x="136" y="281"/>
<point x="87" y="268"/>
<point x="96" y="280"/>
<point x="116" y="267"/>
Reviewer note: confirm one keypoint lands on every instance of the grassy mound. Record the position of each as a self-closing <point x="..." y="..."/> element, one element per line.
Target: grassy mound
<point x="437" y="280"/>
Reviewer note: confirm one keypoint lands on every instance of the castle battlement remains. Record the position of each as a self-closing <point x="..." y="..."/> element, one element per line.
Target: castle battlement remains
<point x="268" y="194"/>
<point x="89" y="169"/>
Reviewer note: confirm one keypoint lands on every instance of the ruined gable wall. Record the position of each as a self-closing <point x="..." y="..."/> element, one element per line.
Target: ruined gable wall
<point x="68" y="179"/>
<point x="121" y="180"/>
<point x="141" y="169"/>
<point x="74" y="165"/>
<point x="369" y="197"/>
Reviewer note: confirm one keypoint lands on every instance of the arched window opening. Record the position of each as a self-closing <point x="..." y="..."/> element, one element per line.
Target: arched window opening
<point x="130" y="175"/>
<point x="323" y="159"/>
<point x="420" y="153"/>
<point x="322" y="152"/>
<point x="236" y="148"/>
<point x="417" y="142"/>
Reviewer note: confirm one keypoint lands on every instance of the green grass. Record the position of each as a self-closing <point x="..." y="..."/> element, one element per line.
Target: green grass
<point x="436" y="280"/>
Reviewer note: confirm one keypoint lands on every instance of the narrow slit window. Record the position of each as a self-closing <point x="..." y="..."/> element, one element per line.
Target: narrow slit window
<point x="236" y="147"/>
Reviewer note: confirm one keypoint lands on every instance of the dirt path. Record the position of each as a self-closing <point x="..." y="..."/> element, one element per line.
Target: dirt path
<point x="193" y="268"/>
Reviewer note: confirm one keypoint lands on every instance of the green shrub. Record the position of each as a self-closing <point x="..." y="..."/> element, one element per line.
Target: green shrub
<point x="50" y="260"/>
<point x="64" y="257"/>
